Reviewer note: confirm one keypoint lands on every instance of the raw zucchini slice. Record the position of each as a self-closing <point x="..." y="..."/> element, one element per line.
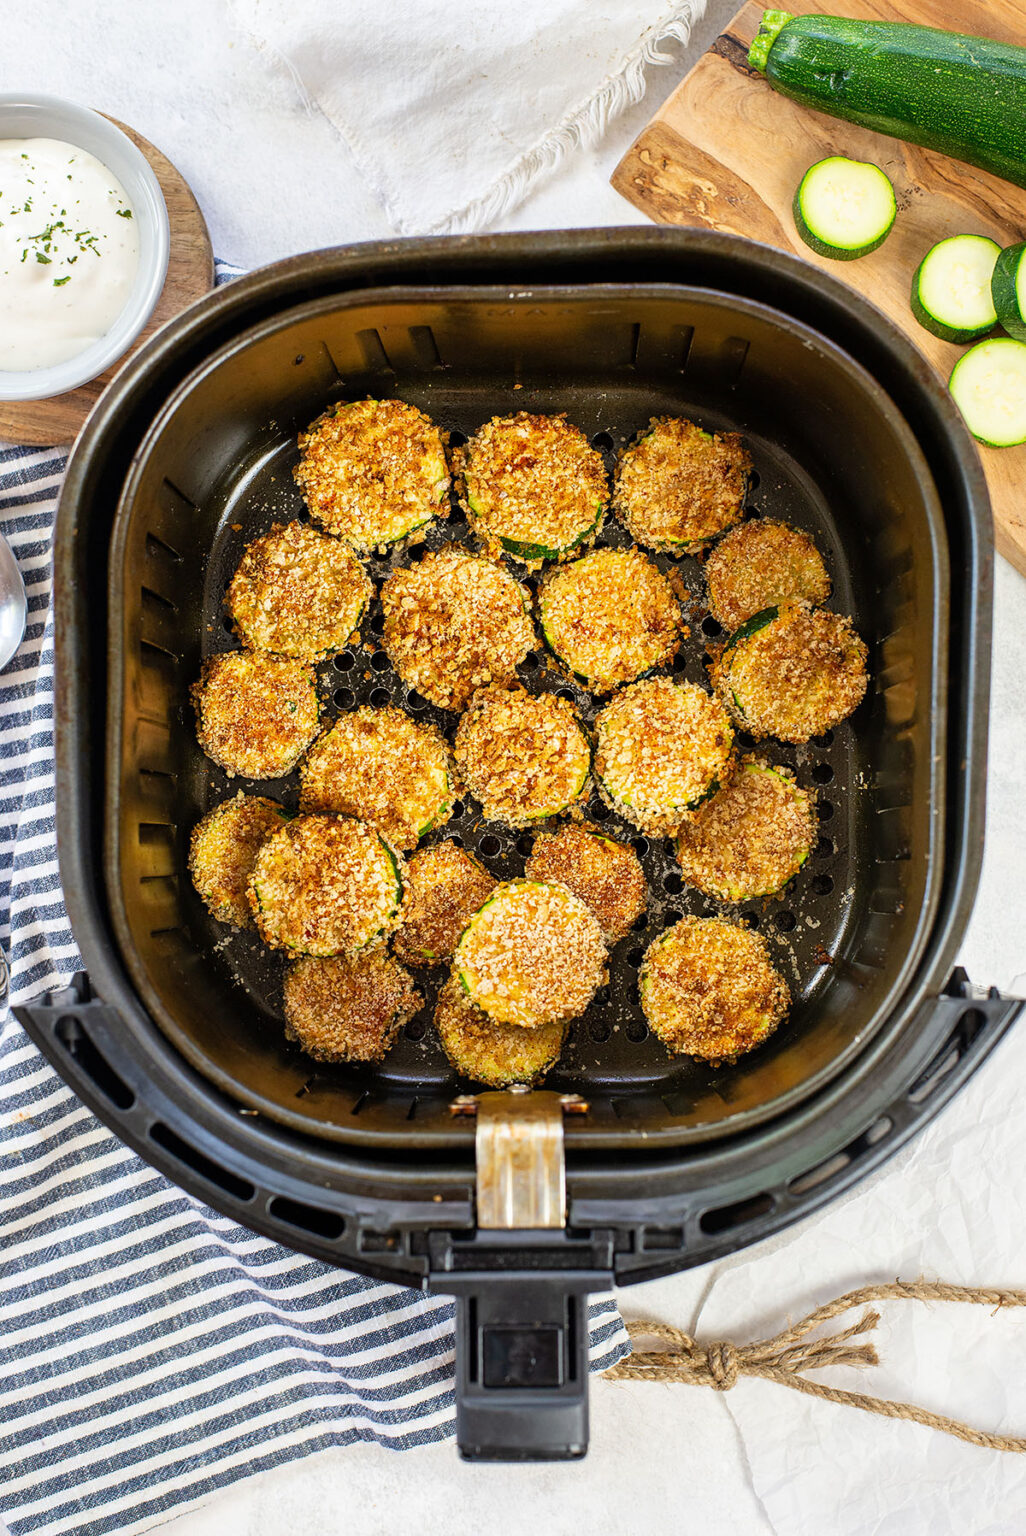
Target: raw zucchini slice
<point x="951" y="291"/>
<point x="844" y="208"/>
<point x="988" y="384"/>
<point x="1008" y="290"/>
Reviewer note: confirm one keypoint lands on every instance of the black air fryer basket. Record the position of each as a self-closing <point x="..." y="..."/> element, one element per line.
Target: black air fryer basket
<point x="174" y="1033"/>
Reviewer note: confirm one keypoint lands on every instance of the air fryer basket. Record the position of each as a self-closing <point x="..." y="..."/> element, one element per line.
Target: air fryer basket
<point x="673" y="1165"/>
<point x="830" y="453"/>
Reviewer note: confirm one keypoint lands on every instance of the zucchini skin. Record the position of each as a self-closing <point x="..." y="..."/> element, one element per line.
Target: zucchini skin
<point x="964" y="96"/>
<point x="1004" y="291"/>
<point x="823" y="247"/>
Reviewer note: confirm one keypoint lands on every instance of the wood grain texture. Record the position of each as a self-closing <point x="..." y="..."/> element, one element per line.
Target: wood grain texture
<point x="190" y="274"/>
<point x="726" y="152"/>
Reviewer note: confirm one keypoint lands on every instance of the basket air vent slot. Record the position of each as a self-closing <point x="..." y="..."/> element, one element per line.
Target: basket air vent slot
<point x="214" y="1173"/>
<point x="725" y="1218"/>
<point x="665" y="1239"/>
<point x="947" y="1058"/>
<point x="425" y="347"/>
<point x="306" y="1218"/>
<point x="158" y="548"/>
<point x="93" y="1063"/>
<point x="373" y="348"/>
<point x="832" y="1166"/>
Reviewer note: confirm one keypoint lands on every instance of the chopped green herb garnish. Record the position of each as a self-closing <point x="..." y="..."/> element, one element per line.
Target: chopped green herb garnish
<point x="59" y="282"/>
<point x="41" y="258"/>
<point x="124" y="213"/>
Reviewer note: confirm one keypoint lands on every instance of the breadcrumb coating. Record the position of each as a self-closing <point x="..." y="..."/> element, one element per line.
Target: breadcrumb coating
<point x="661" y="748"/>
<point x="524" y="756"/>
<point x="223" y="850"/>
<point x="759" y="564"/>
<point x="677" y="487"/>
<point x="497" y="1055"/>
<point x="256" y="713"/>
<point x="384" y="768"/>
<point x="605" y="874"/>
<point x="533" y="485"/>
<point x="533" y="955"/>
<point x="325" y="885"/>
<point x="792" y="672"/>
<point x="298" y="592"/>
<point x="610" y="616"/>
<point x="372" y="471"/>
<point x="453" y="623"/>
<point x="751" y="838"/>
<point x="709" y="989"/>
<point x="445" y="885"/>
<point x="348" y="1008"/>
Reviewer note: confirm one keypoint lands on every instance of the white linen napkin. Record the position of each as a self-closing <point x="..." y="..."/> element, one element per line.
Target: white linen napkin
<point x="453" y="112"/>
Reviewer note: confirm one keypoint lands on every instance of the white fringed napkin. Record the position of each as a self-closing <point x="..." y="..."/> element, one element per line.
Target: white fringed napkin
<point x="451" y="111"/>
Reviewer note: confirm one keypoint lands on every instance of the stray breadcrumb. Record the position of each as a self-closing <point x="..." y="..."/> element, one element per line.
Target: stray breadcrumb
<point x="708" y="989"/>
<point x="605" y="874"/>
<point x="348" y="1009"/>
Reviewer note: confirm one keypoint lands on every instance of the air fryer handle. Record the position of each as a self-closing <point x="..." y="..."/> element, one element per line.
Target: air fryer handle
<point x="522" y="1364"/>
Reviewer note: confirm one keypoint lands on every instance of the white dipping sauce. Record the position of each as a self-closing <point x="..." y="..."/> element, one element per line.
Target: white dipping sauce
<point x="68" y="252"/>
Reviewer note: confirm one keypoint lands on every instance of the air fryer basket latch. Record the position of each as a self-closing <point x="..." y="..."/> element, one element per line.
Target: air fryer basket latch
<point x="521" y="1288"/>
<point x="521" y="1165"/>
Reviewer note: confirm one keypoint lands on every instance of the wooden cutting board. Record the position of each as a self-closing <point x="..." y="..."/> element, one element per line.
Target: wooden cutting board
<point x="726" y="152"/>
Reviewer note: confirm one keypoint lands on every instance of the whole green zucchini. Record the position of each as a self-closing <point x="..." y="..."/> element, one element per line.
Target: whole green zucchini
<point x="965" y="96"/>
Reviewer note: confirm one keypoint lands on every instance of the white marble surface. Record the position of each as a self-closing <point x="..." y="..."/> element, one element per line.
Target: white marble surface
<point x="273" y="179"/>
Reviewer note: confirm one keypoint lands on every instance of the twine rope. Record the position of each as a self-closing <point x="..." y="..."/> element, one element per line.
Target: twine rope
<point x="784" y="1357"/>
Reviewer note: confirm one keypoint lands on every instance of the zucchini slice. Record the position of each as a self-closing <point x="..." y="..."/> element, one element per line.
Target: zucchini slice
<point x="324" y="886"/>
<point x="709" y="989"/>
<point x="533" y="955"/>
<point x="951" y="289"/>
<point x="348" y="1008"/>
<point x="751" y="838"/>
<point x="384" y="768"/>
<point x="792" y="672"/>
<point x="1008" y="290"/>
<point x="494" y="1054"/>
<point x="844" y="208"/>
<point x="988" y="384"/>
<point x="524" y="756"/>
<point x="662" y="748"/>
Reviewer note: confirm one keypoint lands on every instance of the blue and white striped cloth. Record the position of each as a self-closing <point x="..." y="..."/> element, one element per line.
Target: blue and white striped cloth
<point x="151" y="1351"/>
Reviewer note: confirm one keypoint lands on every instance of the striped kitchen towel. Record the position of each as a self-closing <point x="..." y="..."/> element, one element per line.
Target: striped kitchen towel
<point x="151" y="1350"/>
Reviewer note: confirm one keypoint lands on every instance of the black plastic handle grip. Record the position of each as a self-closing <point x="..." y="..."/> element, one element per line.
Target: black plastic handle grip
<point x="522" y="1364"/>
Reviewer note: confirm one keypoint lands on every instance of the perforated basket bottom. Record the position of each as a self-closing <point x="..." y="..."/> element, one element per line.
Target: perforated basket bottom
<point x="610" y="1045"/>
